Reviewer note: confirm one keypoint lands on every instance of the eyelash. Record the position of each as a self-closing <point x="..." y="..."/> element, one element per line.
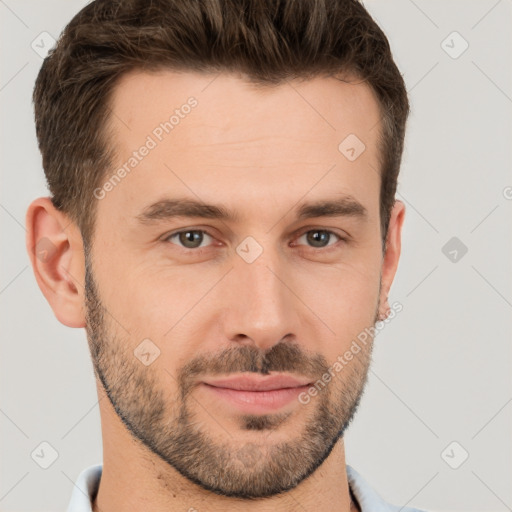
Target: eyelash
<point x="197" y="249"/>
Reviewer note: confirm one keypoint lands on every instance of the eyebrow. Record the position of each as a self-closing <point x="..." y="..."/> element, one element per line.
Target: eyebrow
<point x="165" y="209"/>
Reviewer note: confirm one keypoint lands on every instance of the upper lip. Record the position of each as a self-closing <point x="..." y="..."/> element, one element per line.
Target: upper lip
<point x="258" y="382"/>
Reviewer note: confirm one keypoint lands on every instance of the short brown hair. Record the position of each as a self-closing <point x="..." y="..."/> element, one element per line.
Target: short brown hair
<point x="269" y="41"/>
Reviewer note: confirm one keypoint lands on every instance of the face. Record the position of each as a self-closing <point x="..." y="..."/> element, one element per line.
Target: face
<point x="278" y="275"/>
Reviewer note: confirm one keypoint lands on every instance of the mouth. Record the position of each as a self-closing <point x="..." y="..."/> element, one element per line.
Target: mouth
<point x="257" y="394"/>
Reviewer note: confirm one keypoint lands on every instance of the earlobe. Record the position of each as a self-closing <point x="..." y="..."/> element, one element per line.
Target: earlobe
<point x="391" y="256"/>
<point x="55" y="249"/>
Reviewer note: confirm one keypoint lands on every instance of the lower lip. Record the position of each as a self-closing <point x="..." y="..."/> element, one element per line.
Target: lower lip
<point x="258" y="401"/>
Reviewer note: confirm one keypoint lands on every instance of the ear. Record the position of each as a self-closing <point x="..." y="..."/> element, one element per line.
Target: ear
<point x="56" y="252"/>
<point x="391" y="255"/>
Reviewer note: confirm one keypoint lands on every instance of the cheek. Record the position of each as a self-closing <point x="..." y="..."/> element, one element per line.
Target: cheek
<point x="152" y="299"/>
<point x="344" y="297"/>
<point x="158" y="302"/>
<point x="133" y="301"/>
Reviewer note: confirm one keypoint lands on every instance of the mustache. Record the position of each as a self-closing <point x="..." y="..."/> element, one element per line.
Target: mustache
<point x="282" y="357"/>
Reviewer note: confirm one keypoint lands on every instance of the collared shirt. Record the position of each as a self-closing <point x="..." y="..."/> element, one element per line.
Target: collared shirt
<point x="87" y="484"/>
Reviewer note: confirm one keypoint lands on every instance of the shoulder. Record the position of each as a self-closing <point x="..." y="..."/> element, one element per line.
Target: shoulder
<point x="367" y="497"/>
<point x="85" y="489"/>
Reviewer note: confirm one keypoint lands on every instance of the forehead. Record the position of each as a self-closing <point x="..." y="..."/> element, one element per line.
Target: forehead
<point x="209" y="135"/>
<point x="328" y="104"/>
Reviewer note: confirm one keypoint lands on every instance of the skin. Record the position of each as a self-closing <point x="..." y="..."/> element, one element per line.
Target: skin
<point x="169" y="444"/>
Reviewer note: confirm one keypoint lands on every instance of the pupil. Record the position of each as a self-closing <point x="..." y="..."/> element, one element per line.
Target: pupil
<point x="191" y="237"/>
<point x="318" y="238"/>
<point x="313" y="237"/>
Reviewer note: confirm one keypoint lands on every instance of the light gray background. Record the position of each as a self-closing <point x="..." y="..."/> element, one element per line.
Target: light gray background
<point x="442" y="367"/>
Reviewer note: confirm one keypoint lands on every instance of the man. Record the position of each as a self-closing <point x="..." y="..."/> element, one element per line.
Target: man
<point x="222" y="222"/>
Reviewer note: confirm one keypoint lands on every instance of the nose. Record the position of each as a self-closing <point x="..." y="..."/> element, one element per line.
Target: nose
<point x="261" y="306"/>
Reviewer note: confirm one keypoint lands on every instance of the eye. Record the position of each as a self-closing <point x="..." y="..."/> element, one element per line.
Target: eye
<point x="320" y="238"/>
<point x="190" y="239"/>
<point x="194" y="238"/>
